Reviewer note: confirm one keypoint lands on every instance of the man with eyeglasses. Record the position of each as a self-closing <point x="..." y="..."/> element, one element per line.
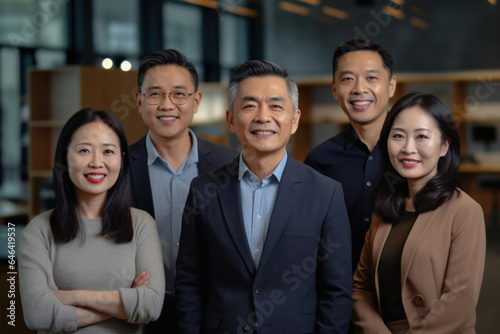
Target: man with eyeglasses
<point x="169" y="156"/>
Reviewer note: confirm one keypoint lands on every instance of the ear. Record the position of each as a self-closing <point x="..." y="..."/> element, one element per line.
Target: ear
<point x="138" y="101"/>
<point x="230" y="121"/>
<point x="197" y="101"/>
<point x="392" y="86"/>
<point x="334" y="90"/>
<point x="444" y="147"/>
<point x="295" y="121"/>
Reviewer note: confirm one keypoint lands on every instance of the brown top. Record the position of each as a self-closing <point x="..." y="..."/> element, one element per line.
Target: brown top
<point x="389" y="268"/>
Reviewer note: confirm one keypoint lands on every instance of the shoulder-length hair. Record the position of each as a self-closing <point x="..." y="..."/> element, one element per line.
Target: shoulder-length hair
<point x="116" y="219"/>
<point x="391" y="189"/>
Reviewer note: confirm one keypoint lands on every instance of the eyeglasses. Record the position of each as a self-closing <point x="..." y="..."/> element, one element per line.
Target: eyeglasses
<point x="178" y="97"/>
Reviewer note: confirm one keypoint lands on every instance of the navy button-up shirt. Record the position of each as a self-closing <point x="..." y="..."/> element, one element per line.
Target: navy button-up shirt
<point x="346" y="159"/>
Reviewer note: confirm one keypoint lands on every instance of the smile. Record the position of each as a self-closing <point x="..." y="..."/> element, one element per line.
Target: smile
<point x="262" y="132"/>
<point x="360" y="103"/>
<point x="409" y="163"/>
<point x="95" y="178"/>
<point x="167" y="118"/>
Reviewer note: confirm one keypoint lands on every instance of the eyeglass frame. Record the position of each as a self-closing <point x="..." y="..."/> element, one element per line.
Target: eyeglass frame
<point x="170" y="98"/>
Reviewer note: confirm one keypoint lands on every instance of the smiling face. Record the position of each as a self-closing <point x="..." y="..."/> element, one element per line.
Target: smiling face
<point x="363" y="87"/>
<point x="263" y="118"/>
<point x="415" y="145"/>
<point x="167" y="120"/>
<point x="94" y="160"/>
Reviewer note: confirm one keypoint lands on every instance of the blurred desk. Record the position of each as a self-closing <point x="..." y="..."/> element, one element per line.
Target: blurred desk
<point x="479" y="168"/>
<point x="482" y="182"/>
<point x="13" y="212"/>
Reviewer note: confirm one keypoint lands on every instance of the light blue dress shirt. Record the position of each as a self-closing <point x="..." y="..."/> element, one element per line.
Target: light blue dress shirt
<point x="257" y="203"/>
<point x="170" y="190"/>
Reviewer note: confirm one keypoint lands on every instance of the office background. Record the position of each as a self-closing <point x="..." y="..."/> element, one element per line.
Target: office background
<point x="424" y="36"/>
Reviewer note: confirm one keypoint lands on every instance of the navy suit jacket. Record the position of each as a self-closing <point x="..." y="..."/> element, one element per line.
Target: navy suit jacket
<point x="210" y="157"/>
<point x="304" y="280"/>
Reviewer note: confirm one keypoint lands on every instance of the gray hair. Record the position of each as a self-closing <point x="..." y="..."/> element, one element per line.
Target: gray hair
<point x="260" y="68"/>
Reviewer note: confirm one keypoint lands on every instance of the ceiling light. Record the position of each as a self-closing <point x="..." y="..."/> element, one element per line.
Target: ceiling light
<point x="125" y="66"/>
<point x="107" y="63"/>
<point x="418" y="22"/>
<point x="204" y="3"/>
<point x="394" y="12"/>
<point x="294" y="8"/>
<point x="311" y="2"/>
<point x="337" y="13"/>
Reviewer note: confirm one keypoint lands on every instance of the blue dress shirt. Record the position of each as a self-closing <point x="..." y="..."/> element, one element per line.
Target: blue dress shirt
<point x="170" y="190"/>
<point x="346" y="159"/>
<point x="257" y="203"/>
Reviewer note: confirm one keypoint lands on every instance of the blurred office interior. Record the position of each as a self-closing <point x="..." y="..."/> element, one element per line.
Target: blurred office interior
<point x="449" y="48"/>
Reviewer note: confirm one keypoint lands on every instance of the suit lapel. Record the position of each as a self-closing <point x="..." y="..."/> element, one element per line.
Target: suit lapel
<point x="205" y="164"/>
<point x="288" y="193"/>
<point x="230" y="201"/>
<point x="143" y="197"/>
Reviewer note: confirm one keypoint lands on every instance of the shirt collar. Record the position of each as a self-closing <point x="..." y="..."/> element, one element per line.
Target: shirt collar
<point x="153" y="153"/>
<point x="351" y="137"/>
<point x="277" y="172"/>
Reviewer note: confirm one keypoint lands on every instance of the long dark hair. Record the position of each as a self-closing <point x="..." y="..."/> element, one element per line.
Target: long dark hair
<point x="391" y="189"/>
<point x="116" y="218"/>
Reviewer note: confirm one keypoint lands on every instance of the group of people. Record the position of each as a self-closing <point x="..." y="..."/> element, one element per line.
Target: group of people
<point x="371" y="234"/>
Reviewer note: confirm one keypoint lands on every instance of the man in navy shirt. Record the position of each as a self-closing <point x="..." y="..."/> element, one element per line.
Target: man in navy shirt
<point x="363" y="84"/>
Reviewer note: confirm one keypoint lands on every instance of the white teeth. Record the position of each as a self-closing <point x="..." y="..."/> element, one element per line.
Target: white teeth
<point x="95" y="177"/>
<point x="410" y="162"/>
<point x="264" y="132"/>
<point x="361" y="103"/>
<point x="167" y="118"/>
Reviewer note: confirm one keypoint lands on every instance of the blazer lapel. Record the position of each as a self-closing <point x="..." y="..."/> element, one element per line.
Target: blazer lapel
<point x="288" y="193"/>
<point x="205" y="164"/>
<point x="230" y="201"/>
<point x="143" y="198"/>
<point x="378" y="245"/>
<point x="416" y="234"/>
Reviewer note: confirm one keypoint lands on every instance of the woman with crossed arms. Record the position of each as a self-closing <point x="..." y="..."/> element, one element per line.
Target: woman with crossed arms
<point x="422" y="264"/>
<point x="92" y="264"/>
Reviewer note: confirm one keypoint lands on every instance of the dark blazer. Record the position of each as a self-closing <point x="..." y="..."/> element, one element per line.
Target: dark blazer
<point x="210" y="157"/>
<point x="304" y="280"/>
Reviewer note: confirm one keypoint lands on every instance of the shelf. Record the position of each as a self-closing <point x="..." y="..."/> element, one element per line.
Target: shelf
<point x="473" y="97"/>
<point x="54" y="96"/>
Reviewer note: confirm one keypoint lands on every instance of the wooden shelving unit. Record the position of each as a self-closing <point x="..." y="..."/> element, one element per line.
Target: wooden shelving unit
<point x="55" y="95"/>
<point x="315" y="97"/>
<point x="473" y="97"/>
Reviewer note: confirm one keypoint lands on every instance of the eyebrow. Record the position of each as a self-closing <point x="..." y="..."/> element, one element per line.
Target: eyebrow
<point x="419" y="129"/>
<point x="89" y="144"/>
<point x="175" y="87"/>
<point x="272" y="98"/>
<point x="370" y="70"/>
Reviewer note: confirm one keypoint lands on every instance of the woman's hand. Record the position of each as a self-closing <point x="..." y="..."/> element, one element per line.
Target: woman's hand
<point x="140" y="280"/>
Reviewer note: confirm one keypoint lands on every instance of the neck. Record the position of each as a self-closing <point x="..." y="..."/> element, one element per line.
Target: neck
<point x="91" y="206"/>
<point x="369" y="133"/>
<point x="174" y="150"/>
<point x="413" y="189"/>
<point x="263" y="164"/>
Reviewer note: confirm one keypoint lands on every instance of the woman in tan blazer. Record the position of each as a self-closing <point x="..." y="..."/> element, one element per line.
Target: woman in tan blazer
<point x="422" y="263"/>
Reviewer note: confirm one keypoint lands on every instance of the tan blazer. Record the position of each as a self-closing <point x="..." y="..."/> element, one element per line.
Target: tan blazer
<point x="441" y="271"/>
